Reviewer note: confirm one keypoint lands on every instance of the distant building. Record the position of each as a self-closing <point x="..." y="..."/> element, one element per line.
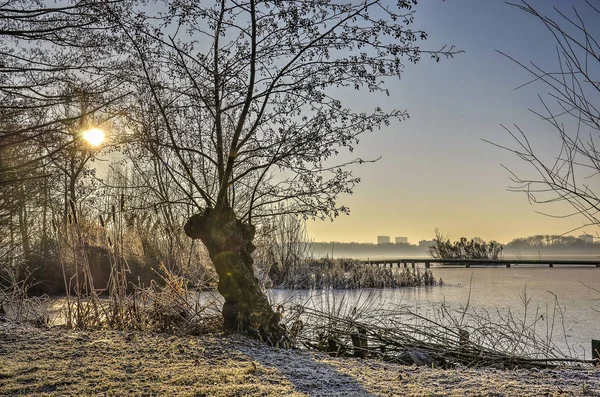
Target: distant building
<point x="425" y="244"/>
<point x="587" y="238"/>
<point x="383" y="240"/>
<point x="401" y="240"/>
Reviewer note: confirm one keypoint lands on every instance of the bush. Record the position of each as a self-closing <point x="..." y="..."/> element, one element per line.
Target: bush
<point x="475" y="248"/>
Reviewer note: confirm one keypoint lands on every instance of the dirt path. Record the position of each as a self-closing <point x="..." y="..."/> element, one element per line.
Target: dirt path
<point x="40" y="362"/>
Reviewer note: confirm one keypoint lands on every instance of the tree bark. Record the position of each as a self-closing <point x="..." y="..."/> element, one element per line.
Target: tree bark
<point x="229" y="244"/>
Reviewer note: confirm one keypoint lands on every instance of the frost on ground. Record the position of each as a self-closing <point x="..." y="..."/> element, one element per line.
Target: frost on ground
<point x="54" y="362"/>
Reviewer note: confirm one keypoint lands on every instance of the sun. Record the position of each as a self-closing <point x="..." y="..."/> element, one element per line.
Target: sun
<point x="94" y="136"/>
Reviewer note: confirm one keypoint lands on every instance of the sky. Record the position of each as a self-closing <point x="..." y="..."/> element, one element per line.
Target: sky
<point x="435" y="169"/>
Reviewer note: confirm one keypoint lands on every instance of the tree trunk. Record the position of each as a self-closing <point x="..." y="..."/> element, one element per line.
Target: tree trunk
<point x="229" y="243"/>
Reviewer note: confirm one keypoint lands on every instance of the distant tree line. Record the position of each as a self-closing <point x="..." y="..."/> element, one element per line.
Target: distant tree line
<point x="551" y="243"/>
<point x="442" y="247"/>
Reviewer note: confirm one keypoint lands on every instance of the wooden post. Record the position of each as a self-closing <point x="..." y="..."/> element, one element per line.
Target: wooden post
<point x="405" y="266"/>
<point x="413" y="265"/>
<point x="463" y="338"/>
<point x="467" y="265"/>
<point x="332" y="347"/>
<point x="360" y="342"/>
<point x="427" y="265"/>
<point x="551" y="264"/>
<point x="508" y="265"/>
<point x="595" y="349"/>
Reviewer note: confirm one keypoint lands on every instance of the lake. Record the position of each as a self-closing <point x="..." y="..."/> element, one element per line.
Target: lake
<point x="496" y="290"/>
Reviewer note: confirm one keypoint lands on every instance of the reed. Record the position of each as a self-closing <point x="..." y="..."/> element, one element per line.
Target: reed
<point x="17" y="305"/>
<point x="350" y="274"/>
<point x="450" y="337"/>
<point x="160" y="304"/>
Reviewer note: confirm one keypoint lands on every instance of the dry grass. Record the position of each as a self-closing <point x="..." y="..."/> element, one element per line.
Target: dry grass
<point x="58" y="362"/>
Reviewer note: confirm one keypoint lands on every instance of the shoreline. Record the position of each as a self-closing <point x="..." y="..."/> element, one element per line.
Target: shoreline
<point x="58" y="362"/>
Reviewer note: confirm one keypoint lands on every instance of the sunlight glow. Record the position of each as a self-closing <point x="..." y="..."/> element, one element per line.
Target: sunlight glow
<point x="94" y="136"/>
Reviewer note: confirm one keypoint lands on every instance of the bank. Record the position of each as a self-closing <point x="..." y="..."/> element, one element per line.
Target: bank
<point x="57" y="362"/>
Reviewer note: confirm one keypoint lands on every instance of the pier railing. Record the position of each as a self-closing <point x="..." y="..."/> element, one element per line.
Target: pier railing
<point x="479" y="262"/>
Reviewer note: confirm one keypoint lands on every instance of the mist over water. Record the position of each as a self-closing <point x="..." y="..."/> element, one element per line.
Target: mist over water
<point x="497" y="291"/>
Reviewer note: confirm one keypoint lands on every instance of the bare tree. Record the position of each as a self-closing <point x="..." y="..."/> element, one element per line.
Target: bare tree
<point x="46" y="52"/>
<point x="244" y="102"/>
<point x="571" y="109"/>
<point x="50" y="53"/>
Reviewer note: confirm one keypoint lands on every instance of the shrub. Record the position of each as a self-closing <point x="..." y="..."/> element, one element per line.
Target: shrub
<point x="474" y="248"/>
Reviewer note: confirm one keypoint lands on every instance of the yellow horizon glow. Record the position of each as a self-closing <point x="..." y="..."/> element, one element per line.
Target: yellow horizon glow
<point x="94" y="136"/>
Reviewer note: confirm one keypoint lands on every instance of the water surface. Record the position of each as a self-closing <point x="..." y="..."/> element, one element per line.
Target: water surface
<point x="557" y="294"/>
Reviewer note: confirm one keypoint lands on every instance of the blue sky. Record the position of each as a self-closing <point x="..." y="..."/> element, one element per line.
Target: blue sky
<point x="435" y="171"/>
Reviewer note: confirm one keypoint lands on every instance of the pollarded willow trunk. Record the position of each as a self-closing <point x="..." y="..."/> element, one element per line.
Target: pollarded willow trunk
<point x="229" y="244"/>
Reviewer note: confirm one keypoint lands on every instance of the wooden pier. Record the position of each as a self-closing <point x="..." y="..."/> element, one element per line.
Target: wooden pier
<point x="479" y="262"/>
